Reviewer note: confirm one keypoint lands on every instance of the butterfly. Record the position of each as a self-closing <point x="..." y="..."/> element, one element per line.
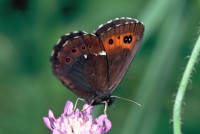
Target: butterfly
<point x="92" y="65"/>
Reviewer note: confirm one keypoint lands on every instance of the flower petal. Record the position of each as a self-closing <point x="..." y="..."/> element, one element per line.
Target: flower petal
<point x="108" y="125"/>
<point x="56" y="132"/>
<point x="68" y="108"/>
<point x="104" y="122"/>
<point x="47" y="122"/>
<point x="88" y="108"/>
<point x="51" y="115"/>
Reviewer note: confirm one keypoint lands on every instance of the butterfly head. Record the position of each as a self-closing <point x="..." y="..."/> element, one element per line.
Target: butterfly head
<point x="101" y="99"/>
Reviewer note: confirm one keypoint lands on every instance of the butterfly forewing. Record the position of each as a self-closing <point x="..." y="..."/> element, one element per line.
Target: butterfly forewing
<point x="121" y="39"/>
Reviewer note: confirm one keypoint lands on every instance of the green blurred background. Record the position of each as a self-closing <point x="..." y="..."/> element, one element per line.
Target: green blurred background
<point x="30" y="28"/>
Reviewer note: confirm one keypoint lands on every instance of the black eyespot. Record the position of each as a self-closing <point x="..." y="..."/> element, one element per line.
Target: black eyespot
<point x="67" y="59"/>
<point x="74" y="50"/>
<point x="83" y="47"/>
<point x="128" y="39"/>
<point x="110" y="41"/>
<point x="125" y="39"/>
<point x="118" y="37"/>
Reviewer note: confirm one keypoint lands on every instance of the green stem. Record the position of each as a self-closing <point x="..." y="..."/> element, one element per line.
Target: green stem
<point x="183" y="86"/>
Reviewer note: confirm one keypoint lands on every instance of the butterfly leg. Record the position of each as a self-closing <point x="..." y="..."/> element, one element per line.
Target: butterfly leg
<point x="88" y="106"/>
<point x="77" y="102"/>
<point x="105" y="107"/>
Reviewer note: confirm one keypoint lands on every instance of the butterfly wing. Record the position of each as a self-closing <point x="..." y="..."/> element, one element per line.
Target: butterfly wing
<point x="121" y="39"/>
<point x="92" y="65"/>
<point x="79" y="61"/>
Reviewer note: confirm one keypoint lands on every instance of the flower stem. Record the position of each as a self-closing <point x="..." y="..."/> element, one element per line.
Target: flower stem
<point x="183" y="86"/>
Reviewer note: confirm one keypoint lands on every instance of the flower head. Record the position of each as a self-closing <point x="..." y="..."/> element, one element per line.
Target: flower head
<point x="77" y="122"/>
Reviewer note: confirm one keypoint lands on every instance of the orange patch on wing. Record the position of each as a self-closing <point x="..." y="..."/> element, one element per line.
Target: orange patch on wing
<point x="118" y="42"/>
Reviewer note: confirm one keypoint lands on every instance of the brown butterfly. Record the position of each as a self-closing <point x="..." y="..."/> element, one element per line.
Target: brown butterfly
<point x="93" y="64"/>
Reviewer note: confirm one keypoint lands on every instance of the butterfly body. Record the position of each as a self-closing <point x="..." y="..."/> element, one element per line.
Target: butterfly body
<point x="92" y="65"/>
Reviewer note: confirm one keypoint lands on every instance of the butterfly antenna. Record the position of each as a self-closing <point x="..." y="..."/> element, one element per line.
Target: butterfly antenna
<point x="127" y="100"/>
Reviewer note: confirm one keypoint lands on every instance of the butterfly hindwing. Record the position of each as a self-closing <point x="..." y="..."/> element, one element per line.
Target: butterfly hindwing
<point x="79" y="62"/>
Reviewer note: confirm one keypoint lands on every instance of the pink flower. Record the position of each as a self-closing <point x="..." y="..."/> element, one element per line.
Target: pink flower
<point x="77" y="122"/>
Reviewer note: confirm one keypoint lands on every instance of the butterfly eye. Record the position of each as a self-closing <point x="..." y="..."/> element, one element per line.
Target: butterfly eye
<point x="67" y="59"/>
<point x="73" y="50"/>
<point x="110" y="41"/>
